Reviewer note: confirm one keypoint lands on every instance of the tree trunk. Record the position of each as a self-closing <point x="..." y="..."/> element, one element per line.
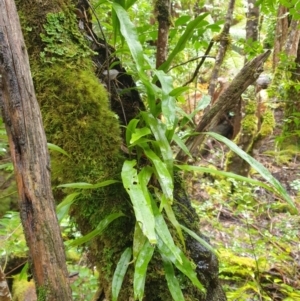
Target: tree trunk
<point x="292" y="108"/>
<point x="4" y="290"/>
<point x="252" y="23"/>
<point x="280" y="33"/>
<point x="292" y="42"/>
<point x="77" y="118"/>
<point x="252" y="20"/>
<point x="162" y="10"/>
<point x="224" y="40"/>
<point x="30" y="157"/>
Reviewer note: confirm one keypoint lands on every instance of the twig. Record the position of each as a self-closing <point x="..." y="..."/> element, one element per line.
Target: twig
<point x="191" y="60"/>
<point x="211" y="43"/>
<point x="105" y="44"/>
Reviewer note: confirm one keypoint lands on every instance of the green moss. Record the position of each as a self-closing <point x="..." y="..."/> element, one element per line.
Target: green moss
<point x="23" y="289"/>
<point x="285" y="155"/>
<point x="42" y="293"/>
<point x="244" y="140"/>
<point x="268" y="124"/>
<point x="250" y="121"/>
<point x="62" y="39"/>
<point x="76" y="117"/>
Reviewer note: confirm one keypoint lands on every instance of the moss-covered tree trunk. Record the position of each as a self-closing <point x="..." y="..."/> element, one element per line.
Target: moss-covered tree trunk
<point x="77" y="117"/>
<point x="292" y="106"/>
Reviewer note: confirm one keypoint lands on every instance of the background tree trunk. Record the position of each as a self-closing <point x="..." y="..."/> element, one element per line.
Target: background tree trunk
<point x="252" y="24"/>
<point x="30" y="157"/>
<point x="4" y="290"/>
<point x="224" y="40"/>
<point x="163" y="12"/>
<point x="280" y="34"/>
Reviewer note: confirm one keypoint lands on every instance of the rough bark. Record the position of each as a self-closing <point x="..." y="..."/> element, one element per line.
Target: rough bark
<point x="30" y="157"/>
<point x="4" y="290"/>
<point x="292" y="108"/>
<point x="227" y="100"/>
<point x="252" y="20"/>
<point x="292" y="42"/>
<point x="224" y="39"/>
<point x="280" y="34"/>
<point x="252" y="23"/>
<point x="162" y="9"/>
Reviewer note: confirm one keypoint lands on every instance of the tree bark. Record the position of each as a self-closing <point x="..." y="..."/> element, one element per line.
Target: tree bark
<point x="224" y="39"/>
<point x="30" y="157"/>
<point x="252" y="20"/>
<point x="162" y="9"/>
<point x="292" y="107"/>
<point x="292" y="42"/>
<point x="4" y="290"/>
<point x="280" y="33"/>
<point x="252" y="23"/>
<point x="226" y="101"/>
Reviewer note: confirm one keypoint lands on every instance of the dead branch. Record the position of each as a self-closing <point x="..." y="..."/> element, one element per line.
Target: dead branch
<point x="227" y="100"/>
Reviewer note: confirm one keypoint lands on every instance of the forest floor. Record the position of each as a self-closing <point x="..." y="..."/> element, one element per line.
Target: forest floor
<point x="256" y="235"/>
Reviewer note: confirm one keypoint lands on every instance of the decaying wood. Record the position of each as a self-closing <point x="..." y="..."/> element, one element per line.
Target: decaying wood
<point x="28" y="147"/>
<point x="227" y="100"/>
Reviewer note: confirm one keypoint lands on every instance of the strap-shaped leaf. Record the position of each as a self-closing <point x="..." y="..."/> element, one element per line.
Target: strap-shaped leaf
<point x="99" y="229"/>
<point x="139" y="240"/>
<point x="63" y="208"/>
<point x="168" y="102"/>
<point x="199" y="239"/>
<point x="171" y="216"/>
<point x="173" y="284"/>
<point x="120" y="272"/>
<point x="139" y="133"/>
<point x="56" y="148"/>
<point x="140" y="270"/>
<point x="181" y="144"/>
<point x="259" y="168"/>
<point x="164" y="233"/>
<point x="83" y="185"/>
<point x="224" y="174"/>
<point x="159" y="131"/>
<point x="162" y="173"/>
<point x="130" y="129"/>
<point x="140" y="201"/>
<point x="183" y="40"/>
<point x="186" y="267"/>
<point x="128" y="31"/>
